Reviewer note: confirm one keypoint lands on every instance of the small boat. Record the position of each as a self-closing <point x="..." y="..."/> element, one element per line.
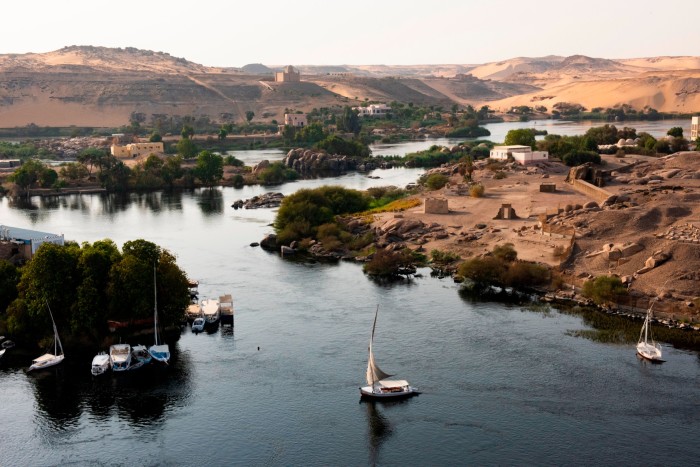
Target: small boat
<point x="226" y="307"/>
<point x="49" y="359"/>
<point x="192" y="286"/>
<point x="198" y="324"/>
<point x="120" y="357"/>
<point x="646" y="347"/>
<point x="379" y="385"/>
<point x="2" y="352"/>
<point x="194" y="311"/>
<point x="211" y="310"/>
<point x="139" y="357"/>
<point x="159" y="352"/>
<point x="100" y="364"/>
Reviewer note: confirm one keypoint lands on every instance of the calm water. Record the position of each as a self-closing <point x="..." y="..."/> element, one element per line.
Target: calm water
<point x="500" y="385"/>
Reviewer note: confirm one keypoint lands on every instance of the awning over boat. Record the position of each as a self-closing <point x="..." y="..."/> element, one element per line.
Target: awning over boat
<point x="392" y="383"/>
<point x="47" y="357"/>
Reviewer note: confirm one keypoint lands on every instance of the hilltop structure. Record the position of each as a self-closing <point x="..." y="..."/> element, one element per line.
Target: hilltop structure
<point x="288" y="75"/>
<point x="521" y="154"/>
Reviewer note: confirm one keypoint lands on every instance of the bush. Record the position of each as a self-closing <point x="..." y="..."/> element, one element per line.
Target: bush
<point x="578" y="157"/>
<point x="521" y="274"/>
<point x="386" y="263"/>
<point x="604" y="289"/>
<point x="277" y="173"/>
<point x="436" y="181"/>
<point x="477" y="190"/>
<point x="505" y="252"/>
<point x="337" y="145"/>
<point x="500" y="175"/>
<point x="443" y="257"/>
<point x="468" y="132"/>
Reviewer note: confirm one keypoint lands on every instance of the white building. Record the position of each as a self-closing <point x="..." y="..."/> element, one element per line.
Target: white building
<point x="373" y="110"/>
<point x="521" y="154"/>
<point x="695" y="128"/>
<point x="295" y="120"/>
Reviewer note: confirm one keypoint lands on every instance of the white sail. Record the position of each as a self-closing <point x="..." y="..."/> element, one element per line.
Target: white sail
<point x="374" y="373"/>
<point x="159" y="352"/>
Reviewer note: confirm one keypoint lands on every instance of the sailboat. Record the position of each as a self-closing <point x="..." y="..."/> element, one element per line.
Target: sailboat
<point x="646" y="347"/>
<point x="378" y="383"/>
<point x="159" y="352"/>
<point x="49" y="359"/>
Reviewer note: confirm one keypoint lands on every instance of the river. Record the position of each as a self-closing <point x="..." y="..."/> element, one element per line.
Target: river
<point x="501" y="384"/>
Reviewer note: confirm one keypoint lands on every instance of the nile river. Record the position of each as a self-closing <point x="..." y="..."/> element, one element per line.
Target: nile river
<point x="501" y="385"/>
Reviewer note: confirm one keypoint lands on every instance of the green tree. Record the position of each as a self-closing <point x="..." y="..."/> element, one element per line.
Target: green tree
<point x="155" y="138"/>
<point x="186" y="148"/>
<point x="349" y="121"/>
<point x="604" y="289"/>
<point x="172" y="170"/>
<point x="210" y="168"/>
<point x="9" y="278"/>
<point x="222" y="134"/>
<point x="606" y="134"/>
<point x="520" y="137"/>
<point x="436" y="181"/>
<point x="249" y="114"/>
<point x="676" y="132"/>
<point x="91" y="158"/>
<point x="73" y="171"/>
<point x="187" y="132"/>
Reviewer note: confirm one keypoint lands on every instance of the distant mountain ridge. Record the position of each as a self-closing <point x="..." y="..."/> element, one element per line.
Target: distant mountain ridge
<point x="102" y="86"/>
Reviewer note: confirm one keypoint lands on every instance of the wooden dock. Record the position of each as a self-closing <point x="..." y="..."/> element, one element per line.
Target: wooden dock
<point x="226" y="307"/>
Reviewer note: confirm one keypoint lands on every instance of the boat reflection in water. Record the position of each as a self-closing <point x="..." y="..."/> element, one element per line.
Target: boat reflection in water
<point x="66" y="394"/>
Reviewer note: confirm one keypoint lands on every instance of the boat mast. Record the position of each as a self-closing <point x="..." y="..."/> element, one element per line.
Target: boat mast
<point x="155" y="305"/>
<point x="56" y="339"/>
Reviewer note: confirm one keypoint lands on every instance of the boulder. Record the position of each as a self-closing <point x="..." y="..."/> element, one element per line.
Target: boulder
<point x="590" y="205"/>
<point x="287" y="251"/>
<point x="269" y="242"/>
<point x="260" y="166"/>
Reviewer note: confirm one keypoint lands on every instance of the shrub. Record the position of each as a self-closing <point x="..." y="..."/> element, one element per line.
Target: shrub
<point x="436" y="181"/>
<point x="386" y="263"/>
<point x="500" y="175"/>
<point x="522" y="274"/>
<point x="477" y="190"/>
<point x="604" y="289"/>
<point x="578" y="157"/>
<point x="443" y="257"/>
<point x="505" y="252"/>
<point x="468" y="132"/>
<point x="488" y="270"/>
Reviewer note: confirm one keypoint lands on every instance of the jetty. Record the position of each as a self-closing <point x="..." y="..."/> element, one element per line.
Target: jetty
<point x="226" y="307"/>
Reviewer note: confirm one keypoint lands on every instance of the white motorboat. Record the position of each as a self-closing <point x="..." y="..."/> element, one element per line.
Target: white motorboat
<point x="378" y="383"/>
<point x="198" y="324"/>
<point x="120" y="357"/>
<point x="211" y="311"/>
<point x="49" y="359"/>
<point x="100" y="364"/>
<point x="646" y="347"/>
<point x="159" y="351"/>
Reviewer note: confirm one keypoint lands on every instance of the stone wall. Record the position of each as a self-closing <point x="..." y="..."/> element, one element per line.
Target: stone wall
<point x="436" y="206"/>
<point x="596" y="193"/>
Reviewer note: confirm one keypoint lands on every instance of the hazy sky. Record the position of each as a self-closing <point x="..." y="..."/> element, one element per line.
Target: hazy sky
<point x="391" y="32"/>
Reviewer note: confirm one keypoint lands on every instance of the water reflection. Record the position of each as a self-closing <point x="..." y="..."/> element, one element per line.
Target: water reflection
<point x="210" y="201"/>
<point x="143" y="397"/>
<point x="378" y="430"/>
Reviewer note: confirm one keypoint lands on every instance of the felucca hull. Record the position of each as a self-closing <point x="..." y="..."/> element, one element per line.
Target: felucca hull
<point x="371" y="393"/>
<point x="649" y="352"/>
<point x="46" y="364"/>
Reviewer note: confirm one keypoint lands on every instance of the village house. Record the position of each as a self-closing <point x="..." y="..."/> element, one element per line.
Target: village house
<point x="295" y="120"/>
<point x="288" y="75"/>
<point x="521" y="154"/>
<point x="132" y="150"/>
<point x="694" y="128"/>
<point x="373" y="110"/>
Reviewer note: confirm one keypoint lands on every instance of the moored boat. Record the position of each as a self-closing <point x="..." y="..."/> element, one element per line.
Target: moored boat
<point x="49" y="359"/>
<point x="100" y="364"/>
<point x="194" y="311"/>
<point x="159" y="351"/>
<point x="198" y="324"/>
<point x="379" y="386"/>
<point x="211" y="311"/>
<point x="120" y="357"/>
<point x="139" y="357"/>
<point x="226" y="309"/>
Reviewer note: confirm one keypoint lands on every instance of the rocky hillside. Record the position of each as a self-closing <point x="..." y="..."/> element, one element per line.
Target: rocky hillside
<point x="98" y="86"/>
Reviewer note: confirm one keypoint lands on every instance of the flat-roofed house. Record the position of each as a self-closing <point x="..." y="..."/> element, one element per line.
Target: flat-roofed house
<point x="521" y="154"/>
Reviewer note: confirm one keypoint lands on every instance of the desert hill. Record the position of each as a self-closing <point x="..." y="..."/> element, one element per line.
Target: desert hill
<point x="99" y="86"/>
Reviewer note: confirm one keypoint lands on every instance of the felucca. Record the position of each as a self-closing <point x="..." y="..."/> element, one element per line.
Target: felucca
<point x="378" y="383"/>
<point x="159" y="352"/>
<point x="49" y="359"/>
<point x="646" y="347"/>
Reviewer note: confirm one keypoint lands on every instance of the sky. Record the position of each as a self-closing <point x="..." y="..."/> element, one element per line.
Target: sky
<point x="357" y="32"/>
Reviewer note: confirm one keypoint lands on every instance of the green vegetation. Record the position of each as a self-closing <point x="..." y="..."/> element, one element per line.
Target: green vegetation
<point x="435" y="181"/>
<point x="387" y="264"/>
<point x="578" y="157"/>
<point x="502" y="269"/>
<point x="521" y="137"/>
<point x="105" y="284"/>
<point x="443" y="258"/>
<point x="336" y="145"/>
<point x="604" y="289"/>
<point x="468" y="132"/>
<point x="277" y="173"/>
<point x="477" y="190"/>
<point x="301" y="213"/>
<point x="209" y="169"/>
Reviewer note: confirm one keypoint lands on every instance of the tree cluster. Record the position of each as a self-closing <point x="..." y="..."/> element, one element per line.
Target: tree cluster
<point x="104" y="284"/>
